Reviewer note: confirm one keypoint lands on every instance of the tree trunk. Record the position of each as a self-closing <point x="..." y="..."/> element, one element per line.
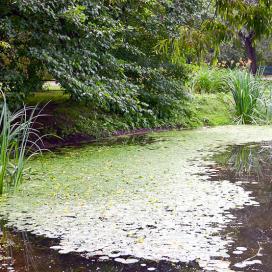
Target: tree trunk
<point x="251" y="54"/>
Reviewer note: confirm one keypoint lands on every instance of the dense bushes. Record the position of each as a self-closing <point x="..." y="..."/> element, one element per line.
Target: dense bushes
<point x="101" y="52"/>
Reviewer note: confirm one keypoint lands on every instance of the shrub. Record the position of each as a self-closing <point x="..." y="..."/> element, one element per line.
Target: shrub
<point x="88" y="47"/>
<point x="208" y="80"/>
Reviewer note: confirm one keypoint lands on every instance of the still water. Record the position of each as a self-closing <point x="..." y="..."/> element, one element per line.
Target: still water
<point x="172" y="201"/>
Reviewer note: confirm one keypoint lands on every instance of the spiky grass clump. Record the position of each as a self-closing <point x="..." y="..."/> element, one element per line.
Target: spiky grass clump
<point x="248" y="95"/>
<point x="19" y="141"/>
<point x="209" y="80"/>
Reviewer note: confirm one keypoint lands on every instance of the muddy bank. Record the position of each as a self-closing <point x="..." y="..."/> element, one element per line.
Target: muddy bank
<point x="64" y="128"/>
<point x="53" y="142"/>
<point x="78" y="123"/>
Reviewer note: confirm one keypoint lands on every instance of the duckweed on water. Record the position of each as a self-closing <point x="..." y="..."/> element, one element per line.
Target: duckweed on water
<point x="146" y="201"/>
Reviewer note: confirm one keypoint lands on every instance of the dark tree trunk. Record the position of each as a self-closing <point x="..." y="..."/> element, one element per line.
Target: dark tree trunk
<point x="251" y="54"/>
<point x="248" y="41"/>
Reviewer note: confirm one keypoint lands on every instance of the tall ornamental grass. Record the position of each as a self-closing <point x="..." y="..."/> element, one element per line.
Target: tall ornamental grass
<point x="209" y="80"/>
<point x="249" y="97"/>
<point x="19" y="141"/>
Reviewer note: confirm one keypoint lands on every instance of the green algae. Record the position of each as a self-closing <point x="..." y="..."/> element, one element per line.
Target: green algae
<point x="143" y="199"/>
<point x="101" y="170"/>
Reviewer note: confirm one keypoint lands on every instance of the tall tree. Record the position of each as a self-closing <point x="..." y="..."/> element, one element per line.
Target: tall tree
<point x="100" y="51"/>
<point x="224" y="21"/>
<point x="248" y="20"/>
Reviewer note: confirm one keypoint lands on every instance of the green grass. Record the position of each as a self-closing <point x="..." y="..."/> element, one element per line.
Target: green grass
<point x="43" y="97"/>
<point x="51" y="92"/>
<point x="213" y="109"/>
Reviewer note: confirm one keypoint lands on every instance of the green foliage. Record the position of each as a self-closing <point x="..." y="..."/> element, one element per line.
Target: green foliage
<point x="225" y="22"/>
<point x="212" y="110"/>
<point x="251" y="94"/>
<point x="101" y="53"/>
<point x="17" y="139"/>
<point x="78" y="121"/>
<point x="208" y="80"/>
<point x="57" y="37"/>
<point x="248" y="95"/>
<point x="247" y="16"/>
<point x="248" y="21"/>
<point x="194" y="43"/>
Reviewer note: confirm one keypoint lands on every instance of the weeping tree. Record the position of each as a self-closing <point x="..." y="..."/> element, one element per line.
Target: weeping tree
<point x="225" y="21"/>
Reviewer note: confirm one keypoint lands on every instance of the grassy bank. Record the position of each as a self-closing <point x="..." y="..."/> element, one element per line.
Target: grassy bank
<point x="77" y="122"/>
<point x="213" y="109"/>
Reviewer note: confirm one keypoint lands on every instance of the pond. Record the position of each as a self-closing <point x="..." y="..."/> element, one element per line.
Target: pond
<point x="171" y="201"/>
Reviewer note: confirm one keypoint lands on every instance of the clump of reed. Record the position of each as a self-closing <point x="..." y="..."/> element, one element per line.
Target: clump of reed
<point x="209" y="80"/>
<point x="250" y="100"/>
<point x="19" y="141"/>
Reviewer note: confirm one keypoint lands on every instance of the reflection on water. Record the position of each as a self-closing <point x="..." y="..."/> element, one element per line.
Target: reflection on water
<point x="125" y="140"/>
<point x="250" y="166"/>
<point x="23" y="252"/>
<point x="247" y="160"/>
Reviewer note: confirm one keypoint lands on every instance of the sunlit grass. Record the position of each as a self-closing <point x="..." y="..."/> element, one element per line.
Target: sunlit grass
<point x="209" y="80"/>
<point x="43" y="97"/>
<point x="51" y="92"/>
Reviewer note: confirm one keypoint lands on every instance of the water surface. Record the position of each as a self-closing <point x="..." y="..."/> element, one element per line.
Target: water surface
<point x="150" y="199"/>
<point x="250" y="166"/>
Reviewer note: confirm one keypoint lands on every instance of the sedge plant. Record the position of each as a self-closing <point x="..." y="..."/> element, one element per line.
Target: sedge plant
<point x="247" y="92"/>
<point x="19" y="141"/>
<point x="209" y="80"/>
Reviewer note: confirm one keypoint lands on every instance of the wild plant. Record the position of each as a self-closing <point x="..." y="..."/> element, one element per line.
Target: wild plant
<point x="19" y="141"/>
<point x="209" y="80"/>
<point x="248" y="95"/>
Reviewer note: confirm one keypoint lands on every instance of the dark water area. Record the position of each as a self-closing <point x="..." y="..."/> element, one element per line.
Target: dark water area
<point x="24" y="252"/>
<point x="123" y="140"/>
<point x="250" y="166"/>
<point x="250" y="230"/>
